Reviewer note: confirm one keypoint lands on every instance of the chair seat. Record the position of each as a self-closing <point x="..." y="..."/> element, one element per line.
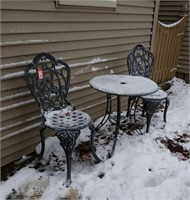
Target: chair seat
<point x="158" y="95"/>
<point x="67" y="120"/>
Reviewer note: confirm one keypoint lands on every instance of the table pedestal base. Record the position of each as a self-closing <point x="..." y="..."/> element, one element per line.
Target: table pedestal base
<point x="107" y="116"/>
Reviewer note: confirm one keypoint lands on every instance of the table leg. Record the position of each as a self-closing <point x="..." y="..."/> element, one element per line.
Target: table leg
<point x="107" y="112"/>
<point x="117" y="124"/>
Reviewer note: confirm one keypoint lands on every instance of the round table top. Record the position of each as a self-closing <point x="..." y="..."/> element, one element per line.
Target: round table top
<point x="124" y="85"/>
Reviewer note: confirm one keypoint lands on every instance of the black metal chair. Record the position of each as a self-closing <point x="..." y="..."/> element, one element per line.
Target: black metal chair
<point x="140" y="63"/>
<point x="48" y="80"/>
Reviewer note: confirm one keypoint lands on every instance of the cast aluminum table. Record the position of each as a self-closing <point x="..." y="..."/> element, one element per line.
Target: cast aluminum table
<point x="122" y="85"/>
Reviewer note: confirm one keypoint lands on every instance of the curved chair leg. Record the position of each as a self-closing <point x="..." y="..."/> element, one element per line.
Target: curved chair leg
<point x="42" y="137"/>
<point x="166" y="108"/>
<point x="143" y="110"/>
<point x="92" y="129"/>
<point x="135" y="105"/>
<point x="128" y="106"/>
<point x="148" y="117"/>
<point x="150" y="107"/>
<point x="68" y="140"/>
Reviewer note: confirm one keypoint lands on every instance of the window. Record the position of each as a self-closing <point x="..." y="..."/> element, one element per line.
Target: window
<point x="88" y="3"/>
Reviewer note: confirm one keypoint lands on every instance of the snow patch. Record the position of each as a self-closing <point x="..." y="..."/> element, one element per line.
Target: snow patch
<point x="171" y="25"/>
<point x="22" y="42"/>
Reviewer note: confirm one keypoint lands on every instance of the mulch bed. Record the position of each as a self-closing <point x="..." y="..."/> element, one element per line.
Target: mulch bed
<point x="176" y="145"/>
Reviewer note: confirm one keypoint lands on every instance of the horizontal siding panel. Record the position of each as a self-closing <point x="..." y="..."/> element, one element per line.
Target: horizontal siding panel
<point x="133" y="10"/>
<point x="56" y="27"/>
<point x="173" y="3"/>
<point x="183" y="57"/>
<point x="95" y="97"/>
<point x="100" y="107"/>
<point x="20" y="128"/>
<point x="29" y="39"/>
<point x="86" y="78"/>
<point x="75" y="56"/>
<point x="34" y="16"/>
<point x="185" y="48"/>
<point x="14" y="94"/>
<point x="18" y="111"/>
<point x="137" y="4"/>
<point x="184" y="62"/>
<point x="23" y="137"/>
<point x="12" y="83"/>
<point x="173" y="13"/>
<point x="14" y="101"/>
<point x="82" y="94"/>
<point x="185" y="42"/>
<point x="18" y="80"/>
<point x="5" y="125"/>
<point x="186" y="35"/>
<point x="168" y="19"/>
<point x="63" y="46"/>
<point x="17" y="155"/>
<point x="186" y="53"/>
<point x="171" y="9"/>
<point x="183" y="69"/>
<point x="28" y="5"/>
<point x="22" y="147"/>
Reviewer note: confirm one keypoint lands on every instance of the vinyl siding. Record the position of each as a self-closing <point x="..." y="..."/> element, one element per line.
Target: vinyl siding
<point x="171" y="11"/>
<point x="91" y="42"/>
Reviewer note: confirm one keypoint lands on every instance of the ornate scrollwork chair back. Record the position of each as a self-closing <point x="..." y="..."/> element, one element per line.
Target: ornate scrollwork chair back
<point x="48" y="80"/>
<point x="140" y="63"/>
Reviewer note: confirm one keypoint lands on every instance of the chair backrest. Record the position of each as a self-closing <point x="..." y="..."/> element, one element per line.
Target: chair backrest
<point x="48" y="80"/>
<point x="140" y="61"/>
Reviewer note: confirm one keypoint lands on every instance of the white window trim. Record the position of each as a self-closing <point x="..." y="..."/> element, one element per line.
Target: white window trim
<point x="89" y="3"/>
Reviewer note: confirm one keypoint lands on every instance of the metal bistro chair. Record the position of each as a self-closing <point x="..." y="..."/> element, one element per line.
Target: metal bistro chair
<point x="140" y="63"/>
<point x="48" y="80"/>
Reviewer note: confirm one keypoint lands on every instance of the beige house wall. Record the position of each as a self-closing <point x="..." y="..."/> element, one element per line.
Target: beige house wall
<point x="92" y="42"/>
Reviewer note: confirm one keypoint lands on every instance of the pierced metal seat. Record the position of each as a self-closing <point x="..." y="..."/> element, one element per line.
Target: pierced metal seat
<point x="140" y="63"/>
<point x="48" y="80"/>
<point x="66" y="119"/>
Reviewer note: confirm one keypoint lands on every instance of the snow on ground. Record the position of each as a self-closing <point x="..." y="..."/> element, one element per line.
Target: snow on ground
<point x="144" y="167"/>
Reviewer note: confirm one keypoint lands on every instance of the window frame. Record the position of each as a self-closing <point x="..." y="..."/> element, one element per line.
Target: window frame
<point x="109" y="5"/>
